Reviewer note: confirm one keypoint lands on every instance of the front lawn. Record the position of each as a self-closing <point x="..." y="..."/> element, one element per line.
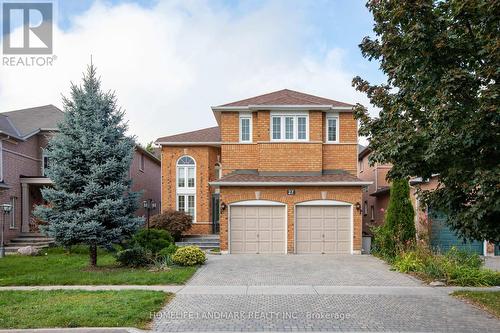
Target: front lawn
<point x="60" y="268"/>
<point x="487" y="300"/>
<point x="37" y="309"/>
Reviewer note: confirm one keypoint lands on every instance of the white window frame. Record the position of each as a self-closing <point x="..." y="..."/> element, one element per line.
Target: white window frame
<point x="336" y="117"/>
<point x="282" y="116"/>
<point x="185" y="191"/>
<point x="44" y="156"/>
<point x="250" y="125"/>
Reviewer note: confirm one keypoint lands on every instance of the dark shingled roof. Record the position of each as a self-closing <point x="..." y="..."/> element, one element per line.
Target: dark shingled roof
<point x="256" y="178"/>
<point x="28" y="121"/>
<point x="208" y="135"/>
<point x="288" y="97"/>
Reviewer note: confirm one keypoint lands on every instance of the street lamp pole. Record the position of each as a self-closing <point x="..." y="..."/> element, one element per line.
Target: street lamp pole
<point x="148" y="205"/>
<point x="6" y="208"/>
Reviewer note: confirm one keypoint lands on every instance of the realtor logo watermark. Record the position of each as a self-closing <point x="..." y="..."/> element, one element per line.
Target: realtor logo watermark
<point x="27" y="33"/>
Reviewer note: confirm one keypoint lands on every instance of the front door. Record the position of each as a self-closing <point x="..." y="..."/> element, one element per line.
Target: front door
<point x="215" y="213"/>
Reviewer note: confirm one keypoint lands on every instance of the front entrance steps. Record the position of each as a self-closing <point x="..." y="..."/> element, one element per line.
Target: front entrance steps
<point x="204" y="242"/>
<point x="36" y="240"/>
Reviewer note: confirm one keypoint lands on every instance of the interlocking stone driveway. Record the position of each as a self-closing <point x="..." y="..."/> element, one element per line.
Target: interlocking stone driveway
<point x="349" y="293"/>
<point x="323" y="270"/>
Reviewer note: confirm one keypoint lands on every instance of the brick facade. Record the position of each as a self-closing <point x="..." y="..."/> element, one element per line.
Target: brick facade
<point x="265" y="156"/>
<point x="205" y="159"/>
<point x="346" y="194"/>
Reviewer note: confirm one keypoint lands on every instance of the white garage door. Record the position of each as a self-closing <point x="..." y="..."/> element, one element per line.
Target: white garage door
<point x="323" y="229"/>
<point x="257" y="229"/>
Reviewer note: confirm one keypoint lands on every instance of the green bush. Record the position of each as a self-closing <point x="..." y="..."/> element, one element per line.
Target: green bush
<point x="153" y="240"/>
<point x="456" y="267"/>
<point x="168" y="251"/>
<point x="408" y="262"/>
<point x="189" y="256"/>
<point x="464" y="258"/>
<point x="134" y="257"/>
<point x="397" y="234"/>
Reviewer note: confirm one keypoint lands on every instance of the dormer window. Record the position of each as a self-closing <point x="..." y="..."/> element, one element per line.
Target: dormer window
<point x="246" y="128"/>
<point x="289" y="127"/>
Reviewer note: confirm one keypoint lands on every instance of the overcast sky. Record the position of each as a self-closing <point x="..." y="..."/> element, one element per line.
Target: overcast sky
<point x="169" y="61"/>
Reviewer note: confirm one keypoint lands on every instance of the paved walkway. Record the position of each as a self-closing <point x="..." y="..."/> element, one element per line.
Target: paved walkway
<point x="167" y="289"/>
<point x="314" y="293"/>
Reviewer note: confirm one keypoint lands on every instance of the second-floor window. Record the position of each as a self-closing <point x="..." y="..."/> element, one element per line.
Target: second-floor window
<point x="142" y="162"/>
<point x="45" y="163"/>
<point x="332" y="129"/>
<point x="289" y="127"/>
<point x="245" y="128"/>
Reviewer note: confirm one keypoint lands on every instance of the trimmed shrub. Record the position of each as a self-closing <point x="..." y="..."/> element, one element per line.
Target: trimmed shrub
<point x="173" y="221"/>
<point x="189" y="256"/>
<point x="134" y="257"/>
<point x="168" y="251"/>
<point x="153" y="240"/>
<point x="398" y="232"/>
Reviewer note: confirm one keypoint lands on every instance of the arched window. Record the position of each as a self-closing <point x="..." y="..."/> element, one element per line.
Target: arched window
<point x="218" y="171"/>
<point x="186" y="185"/>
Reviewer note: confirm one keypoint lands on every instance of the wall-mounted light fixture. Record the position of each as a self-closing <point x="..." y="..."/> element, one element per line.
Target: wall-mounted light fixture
<point x="223" y="206"/>
<point x="358" y="207"/>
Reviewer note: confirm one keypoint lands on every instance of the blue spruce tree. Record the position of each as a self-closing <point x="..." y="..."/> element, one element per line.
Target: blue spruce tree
<point x="91" y="201"/>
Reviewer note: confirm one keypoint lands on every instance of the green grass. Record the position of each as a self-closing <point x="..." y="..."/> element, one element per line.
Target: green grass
<point x="487" y="300"/>
<point x="60" y="268"/>
<point x="37" y="309"/>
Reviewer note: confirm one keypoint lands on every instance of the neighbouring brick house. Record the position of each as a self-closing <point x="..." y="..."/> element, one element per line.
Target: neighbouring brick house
<point x="375" y="196"/>
<point x="23" y="136"/>
<point x="277" y="175"/>
<point x="428" y="223"/>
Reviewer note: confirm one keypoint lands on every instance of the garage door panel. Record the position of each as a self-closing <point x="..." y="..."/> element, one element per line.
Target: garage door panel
<point x="323" y="229"/>
<point x="257" y="229"/>
<point x="251" y="247"/>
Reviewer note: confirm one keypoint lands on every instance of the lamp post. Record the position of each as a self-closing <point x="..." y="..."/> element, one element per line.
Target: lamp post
<point x="148" y="205"/>
<point x="6" y="208"/>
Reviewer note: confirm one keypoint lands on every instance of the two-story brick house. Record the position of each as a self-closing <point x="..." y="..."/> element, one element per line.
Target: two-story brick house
<point x="24" y="134"/>
<point x="278" y="173"/>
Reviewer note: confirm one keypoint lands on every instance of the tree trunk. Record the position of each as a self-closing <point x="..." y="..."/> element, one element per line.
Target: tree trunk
<point x="93" y="255"/>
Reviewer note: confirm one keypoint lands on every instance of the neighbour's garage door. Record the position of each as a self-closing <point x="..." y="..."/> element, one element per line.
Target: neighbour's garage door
<point x="323" y="229"/>
<point x="258" y="229"/>
<point x="443" y="238"/>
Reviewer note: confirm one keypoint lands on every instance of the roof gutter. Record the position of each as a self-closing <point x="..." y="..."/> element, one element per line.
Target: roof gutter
<point x="281" y="107"/>
<point x="166" y="143"/>
<point x="354" y="183"/>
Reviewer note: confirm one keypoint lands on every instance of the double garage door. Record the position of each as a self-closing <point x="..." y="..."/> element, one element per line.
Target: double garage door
<point x="262" y="229"/>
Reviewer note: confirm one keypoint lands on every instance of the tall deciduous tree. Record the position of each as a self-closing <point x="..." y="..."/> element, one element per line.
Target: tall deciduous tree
<point x="440" y="104"/>
<point x="91" y="201"/>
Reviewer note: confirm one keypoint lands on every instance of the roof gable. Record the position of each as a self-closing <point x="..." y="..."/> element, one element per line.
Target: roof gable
<point x="28" y="121"/>
<point x="287" y="97"/>
<point x="207" y="135"/>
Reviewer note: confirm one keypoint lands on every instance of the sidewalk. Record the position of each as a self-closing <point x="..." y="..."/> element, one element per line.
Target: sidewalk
<point x="166" y="288"/>
<point x="268" y="290"/>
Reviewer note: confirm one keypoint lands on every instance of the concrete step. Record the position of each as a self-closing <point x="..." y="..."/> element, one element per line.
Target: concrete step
<point x="203" y="246"/>
<point x="202" y="236"/>
<point x="213" y="244"/>
<point x="32" y="240"/>
<point x="22" y="244"/>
